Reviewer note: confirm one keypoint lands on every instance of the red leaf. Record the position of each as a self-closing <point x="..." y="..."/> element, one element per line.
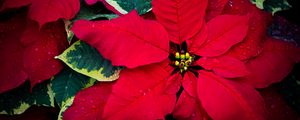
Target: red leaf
<point x="91" y="2"/>
<point x="173" y="84"/>
<point x="11" y="50"/>
<point x="273" y="64"/>
<point x="89" y="103"/>
<point x="189" y="84"/>
<point x="230" y="67"/>
<point x="253" y="43"/>
<point x="214" y="8"/>
<point x="228" y="100"/>
<point x="14" y="4"/>
<point x="41" y="48"/>
<point x="195" y="43"/>
<point x="139" y="94"/>
<point x="44" y="11"/>
<point x="181" y="18"/>
<point x="238" y="7"/>
<point x="189" y="108"/>
<point x="223" y="32"/>
<point x="126" y="41"/>
<point x="224" y="66"/>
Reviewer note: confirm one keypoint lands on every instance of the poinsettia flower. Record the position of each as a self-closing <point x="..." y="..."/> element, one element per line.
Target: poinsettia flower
<point x="197" y="68"/>
<point x="44" y="11"/>
<point x="28" y="51"/>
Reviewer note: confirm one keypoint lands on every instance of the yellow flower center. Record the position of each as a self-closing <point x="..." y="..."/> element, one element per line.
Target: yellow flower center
<point x="183" y="61"/>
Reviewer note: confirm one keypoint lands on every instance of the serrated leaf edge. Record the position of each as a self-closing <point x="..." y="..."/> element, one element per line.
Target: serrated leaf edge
<point x="93" y="74"/>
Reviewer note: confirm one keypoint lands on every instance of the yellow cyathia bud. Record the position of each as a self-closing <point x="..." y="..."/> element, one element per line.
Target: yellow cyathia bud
<point x="177" y="56"/>
<point x="182" y="56"/>
<point x="190" y="58"/>
<point x="188" y="62"/>
<point x="185" y="68"/>
<point x="176" y="63"/>
<point x="187" y="55"/>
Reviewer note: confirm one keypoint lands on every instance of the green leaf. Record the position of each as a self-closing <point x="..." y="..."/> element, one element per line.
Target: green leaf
<point x="70" y="34"/>
<point x="125" y="6"/>
<point x="92" y="12"/>
<point x="259" y="3"/>
<point x="272" y="6"/>
<point x="276" y="5"/>
<point x="65" y="106"/>
<point x="67" y="83"/>
<point x="86" y="60"/>
<point x="20" y="99"/>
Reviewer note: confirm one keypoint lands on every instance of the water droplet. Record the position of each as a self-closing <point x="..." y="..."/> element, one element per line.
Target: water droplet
<point x="230" y="3"/>
<point x="140" y="91"/>
<point x="51" y="36"/>
<point x="193" y="115"/>
<point x="272" y="106"/>
<point x="36" y="49"/>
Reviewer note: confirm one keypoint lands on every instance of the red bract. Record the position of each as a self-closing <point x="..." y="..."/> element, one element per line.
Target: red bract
<point x="41" y="46"/>
<point x="28" y="51"/>
<point x="199" y="71"/>
<point x="11" y="52"/>
<point x="253" y="42"/>
<point x="44" y="11"/>
<point x="257" y="50"/>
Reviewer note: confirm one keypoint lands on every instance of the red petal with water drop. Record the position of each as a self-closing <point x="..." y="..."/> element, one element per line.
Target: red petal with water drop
<point x="189" y="83"/>
<point x="14" y="4"/>
<point x="225" y="66"/>
<point x="126" y="41"/>
<point x="253" y="43"/>
<point x="182" y="19"/>
<point x="189" y="108"/>
<point x="273" y="64"/>
<point x="42" y="45"/>
<point x="195" y="43"/>
<point x="224" y="31"/>
<point x="238" y="7"/>
<point x="89" y="103"/>
<point x="173" y="83"/>
<point x="139" y="94"/>
<point x="214" y="8"/>
<point x="44" y="11"/>
<point x="229" y="67"/>
<point x="227" y="100"/>
<point x="11" y="51"/>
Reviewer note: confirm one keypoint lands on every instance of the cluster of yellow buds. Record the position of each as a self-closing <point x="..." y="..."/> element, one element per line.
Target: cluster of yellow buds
<point x="183" y="61"/>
